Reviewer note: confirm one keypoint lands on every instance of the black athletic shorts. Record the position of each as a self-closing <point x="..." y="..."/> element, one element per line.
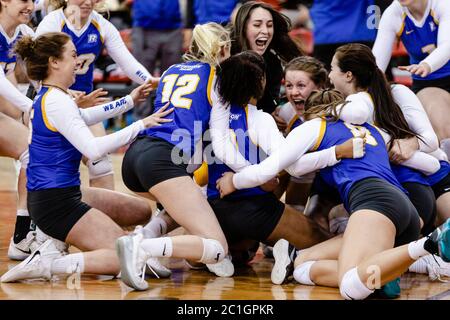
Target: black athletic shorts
<point x="56" y="211"/>
<point x="148" y="161"/>
<point x="422" y="197"/>
<point x="252" y="218"/>
<point x="381" y="196"/>
<point x="443" y="83"/>
<point x="441" y="187"/>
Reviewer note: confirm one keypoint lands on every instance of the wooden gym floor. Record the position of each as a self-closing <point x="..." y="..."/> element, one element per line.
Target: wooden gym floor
<point x="251" y="283"/>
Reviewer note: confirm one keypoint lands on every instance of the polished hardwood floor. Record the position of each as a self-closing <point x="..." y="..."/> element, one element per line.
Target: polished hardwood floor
<point x="249" y="283"/>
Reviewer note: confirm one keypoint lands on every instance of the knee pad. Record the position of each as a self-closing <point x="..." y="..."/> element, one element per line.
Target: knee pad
<point x="213" y="251"/>
<point x="352" y="288"/>
<point x="301" y="273"/>
<point x="24" y="158"/>
<point x="100" y="167"/>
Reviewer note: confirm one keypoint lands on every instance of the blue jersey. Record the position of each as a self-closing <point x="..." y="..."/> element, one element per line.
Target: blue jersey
<point x="342" y="21"/>
<point x="187" y="86"/>
<point x="405" y="174"/>
<point x="54" y="161"/>
<point x="89" y="45"/>
<point x="374" y="164"/>
<point x="7" y="56"/>
<point x="440" y="174"/>
<point x="421" y="41"/>
<point x="294" y="123"/>
<point x="249" y="150"/>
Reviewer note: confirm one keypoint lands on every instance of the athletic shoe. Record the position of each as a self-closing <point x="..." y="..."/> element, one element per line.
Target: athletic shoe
<point x="224" y="268"/>
<point x="155" y="268"/>
<point x="37" y="265"/>
<point x="284" y="254"/>
<point x="20" y="251"/>
<point x="132" y="261"/>
<point x="390" y="290"/>
<point x="444" y="241"/>
<point x="436" y="267"/>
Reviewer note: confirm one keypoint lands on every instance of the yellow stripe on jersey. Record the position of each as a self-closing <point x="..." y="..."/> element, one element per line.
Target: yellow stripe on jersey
<point x="63" y="24"/>
<point x="97" y="26"/>
<point x="44" y="115"/>
<point x="210" y="81"/>
<point x="433" y="15"/>
<point x="403" y="25"/>
<point x="323" y="127"/>
<point x="291" y="123"/>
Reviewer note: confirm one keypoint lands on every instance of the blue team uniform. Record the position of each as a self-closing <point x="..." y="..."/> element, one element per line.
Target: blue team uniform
<point x="187" y="86"/>
<point x="7" y="57"/>
<point x="89" y="46"/>
<point x="250" y="151"/>
<point x="416" y="39"/>
<point x="54" y="161"/>
<point x="294" y="123"/>
<point x="408" y="175"/>
<point x="343" y="175"/>
<point x="440" y="174"/>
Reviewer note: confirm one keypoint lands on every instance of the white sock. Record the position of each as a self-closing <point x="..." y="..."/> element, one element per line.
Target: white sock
<point x="23" y="213"/>
<point x="157" y="247"/>
<point x="155" y="228"/>
<point x="445" y="146"/>
<point x="416" y="249"/>
<point x="301" y="273"/>
<point x="69" y="264"/>
<point x="420" y="266"/>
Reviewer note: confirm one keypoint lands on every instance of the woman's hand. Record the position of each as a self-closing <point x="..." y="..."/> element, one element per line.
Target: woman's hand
<point x="94" y="98"/>
<point x="281" y="124"/>
<point x="403" y="149"/>
<point x="157" y="118"/>
<point x="225" y="184"/>
<point x="422" y="69"/>
<point x="141" y="93"/>
<point x="352" y="148"/>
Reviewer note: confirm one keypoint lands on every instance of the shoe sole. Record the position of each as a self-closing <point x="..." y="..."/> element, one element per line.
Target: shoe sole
<point x="282" y="261"/>
<point x="444" y="242"/>
<point x="124" y="259"/>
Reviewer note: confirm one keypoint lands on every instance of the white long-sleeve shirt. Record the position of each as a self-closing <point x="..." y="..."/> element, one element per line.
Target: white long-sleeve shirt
<point x="392" y="21"/>
<point x="263" y="131"/>
<point x="113" y="42"/>
<point x="63" y="114"/>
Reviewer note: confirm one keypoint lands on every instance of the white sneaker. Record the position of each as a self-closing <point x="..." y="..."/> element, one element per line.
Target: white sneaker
<point x="132" y="261"/>
<point x="437" y="268"/>
<point x="156" y="268"/>
<point x="224" y="268"/>
<point x="41" y="237"/>
<point x="20" y="251"/>
<point x="37" y="265"/>
<point x="284" y="254"/>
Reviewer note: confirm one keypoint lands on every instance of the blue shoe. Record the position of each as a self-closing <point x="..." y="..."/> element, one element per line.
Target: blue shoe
<point x="444" y="241"/>
<point x="390" y="290"/>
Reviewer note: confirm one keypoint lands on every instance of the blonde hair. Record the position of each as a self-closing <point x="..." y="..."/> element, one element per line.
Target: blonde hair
<point x="56" y="4"/>
<point x="208" y="40"/>
<point x="323" y="103"/>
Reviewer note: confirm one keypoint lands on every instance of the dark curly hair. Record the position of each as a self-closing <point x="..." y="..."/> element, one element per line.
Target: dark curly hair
<point x="240" y="78"/>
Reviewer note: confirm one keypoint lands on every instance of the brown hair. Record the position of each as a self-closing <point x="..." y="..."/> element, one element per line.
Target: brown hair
<point x="323" y="103"/>
<point x="36" y="53"/>
<point x="360" y="61"/>
<point x="316" y="69"/>
<point x="281" y="43"/>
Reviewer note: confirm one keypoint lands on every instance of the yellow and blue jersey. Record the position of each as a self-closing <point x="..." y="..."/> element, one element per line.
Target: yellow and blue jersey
<point x="249" y="150"/>
<point x="54" y="161"/>
<point x="421" y="41"/>
<point x="440" y="174"/>
<point x="187" y="87"/>
<point x="294" y="123"/>
<point x="89" y="45"/>
<point x="8" y="58"/>
<point x="374" y="164"/>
